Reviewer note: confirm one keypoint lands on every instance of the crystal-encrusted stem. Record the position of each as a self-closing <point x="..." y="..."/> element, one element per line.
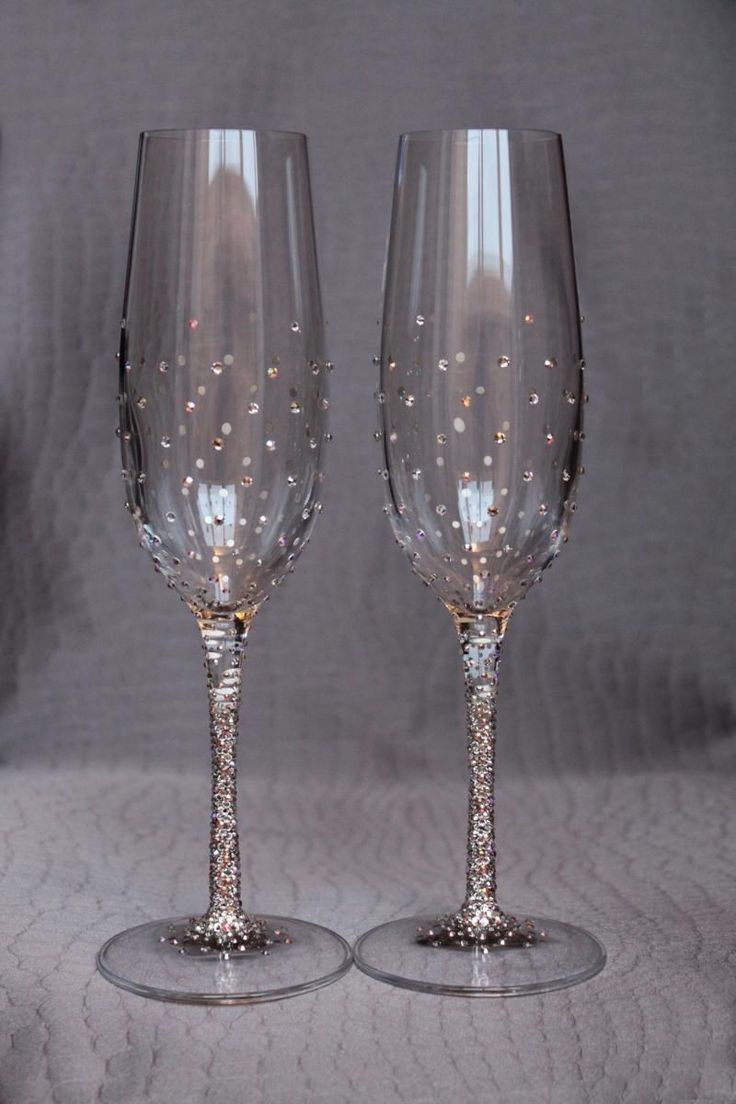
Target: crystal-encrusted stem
<point x="224" y="640"/>
<point x="480" y="641"/>
<point x="225" y="927"/>
<point x="479" y="921"/>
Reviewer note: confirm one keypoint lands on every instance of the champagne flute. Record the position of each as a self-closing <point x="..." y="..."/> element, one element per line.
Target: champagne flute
<point x="223" y="400"/>
<point x="481" y="398"/>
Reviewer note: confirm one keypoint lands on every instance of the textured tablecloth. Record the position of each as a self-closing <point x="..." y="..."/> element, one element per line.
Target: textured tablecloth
<point x="644" y="860"/>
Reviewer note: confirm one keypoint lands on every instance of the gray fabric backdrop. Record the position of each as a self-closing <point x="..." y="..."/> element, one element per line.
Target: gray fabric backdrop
<point x="617" y="715"/>
<point x="623" y="654"/>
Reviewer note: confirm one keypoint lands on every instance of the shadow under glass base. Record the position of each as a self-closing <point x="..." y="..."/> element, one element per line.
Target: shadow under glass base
<point x="391" y="953"/>
<point x="143" y="961"/>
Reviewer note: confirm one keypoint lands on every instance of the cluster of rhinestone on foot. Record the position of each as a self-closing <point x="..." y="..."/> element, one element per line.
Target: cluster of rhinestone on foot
<point x="483" y="931"/>
<point x="210" y="935"/>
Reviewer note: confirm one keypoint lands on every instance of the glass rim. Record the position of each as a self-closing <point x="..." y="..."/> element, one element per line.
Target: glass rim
<point x="530" y="133"/>
<point x="207" y="132"/>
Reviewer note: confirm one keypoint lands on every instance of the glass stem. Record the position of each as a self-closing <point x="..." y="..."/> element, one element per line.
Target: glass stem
<point x="224" y="640"/>
<point x="480" y="641"/>
<point x="225" y="928"/>
<point x="479" y="922"/>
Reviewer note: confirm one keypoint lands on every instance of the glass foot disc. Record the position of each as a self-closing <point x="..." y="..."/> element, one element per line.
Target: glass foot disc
<point x="391" y="953"/>
<point x="142" y="960"/>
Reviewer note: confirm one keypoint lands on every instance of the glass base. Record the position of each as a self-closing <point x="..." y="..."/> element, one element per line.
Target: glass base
<point x="393" y="953"/>
<point x="148" y="961"/>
